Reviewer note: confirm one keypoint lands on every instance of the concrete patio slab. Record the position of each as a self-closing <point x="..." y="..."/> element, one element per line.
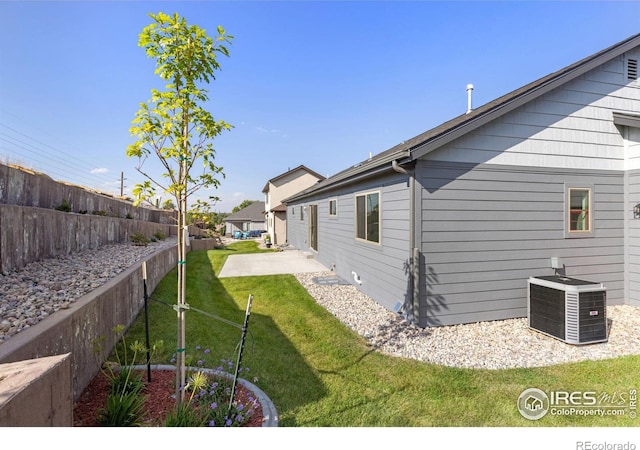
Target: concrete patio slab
<point x="288" y="262"/>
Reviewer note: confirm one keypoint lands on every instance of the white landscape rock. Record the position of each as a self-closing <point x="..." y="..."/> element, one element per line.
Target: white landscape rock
<point x="41" y="288"/>
<point x="498" y="344"/>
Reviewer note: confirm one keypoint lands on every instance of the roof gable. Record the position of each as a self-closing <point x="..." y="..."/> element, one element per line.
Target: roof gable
<point x="290" y="172"/>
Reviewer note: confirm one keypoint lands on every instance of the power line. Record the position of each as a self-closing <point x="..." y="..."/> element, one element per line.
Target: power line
<point x="66" y="167"/>
<point x="50" y="159"/>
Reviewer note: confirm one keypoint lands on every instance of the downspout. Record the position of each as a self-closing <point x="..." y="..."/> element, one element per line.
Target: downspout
<point x="414" y="253"/>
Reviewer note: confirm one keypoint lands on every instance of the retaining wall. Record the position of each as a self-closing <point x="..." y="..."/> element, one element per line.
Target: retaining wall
<point x="25" y="188"/>
<point x="29" y="234"/>
<point x="72" y="332"/>
<point x="92" y="316"/>
<point x="43" y="386"/>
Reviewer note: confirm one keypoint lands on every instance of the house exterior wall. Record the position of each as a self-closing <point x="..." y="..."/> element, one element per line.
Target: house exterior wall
<point x="279" y="189"/>
<point x="279" y="228"/>
<point x="633" y="220"/>
<point x="486" y="229"/>
<point x="493" y="201"/>
<point x="381" y="268"/>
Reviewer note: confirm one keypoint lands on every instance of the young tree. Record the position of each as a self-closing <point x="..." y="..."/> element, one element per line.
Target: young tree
<point x="243" y="205"/>
<point x="168" y="204"/>
<point x="174" y="126"/>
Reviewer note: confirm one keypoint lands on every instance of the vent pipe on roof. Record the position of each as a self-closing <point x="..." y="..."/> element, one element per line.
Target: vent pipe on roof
<point x="469" y="90"/>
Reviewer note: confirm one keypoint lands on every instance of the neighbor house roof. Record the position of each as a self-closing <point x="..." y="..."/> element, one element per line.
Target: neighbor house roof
<point x="279" y="208"/>
<point x="288" y="172"/>
<point x="434" y="138"/>
<point x="252" y="213"/>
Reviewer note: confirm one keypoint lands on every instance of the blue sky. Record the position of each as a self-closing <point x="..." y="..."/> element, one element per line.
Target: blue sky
<point x="316" y="83"/>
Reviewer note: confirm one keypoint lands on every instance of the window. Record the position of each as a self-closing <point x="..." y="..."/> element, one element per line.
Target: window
<point x="368" y="217"/>
<point x="579" y="211"/>
<point x="333" y="208"/>
<point x="301" y="213"/>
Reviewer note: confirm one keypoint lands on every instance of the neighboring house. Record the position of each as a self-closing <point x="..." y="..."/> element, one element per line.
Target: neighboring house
<point x="280" y="187"/>
<point x="447" y="227"/>
<point x="247" y="219"/>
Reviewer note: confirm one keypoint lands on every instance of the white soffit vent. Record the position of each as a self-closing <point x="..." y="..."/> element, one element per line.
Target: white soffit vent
<point x="632" y="69"/>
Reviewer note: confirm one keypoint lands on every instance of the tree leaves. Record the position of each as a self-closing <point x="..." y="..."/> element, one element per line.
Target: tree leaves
<point x="173" y="125"/>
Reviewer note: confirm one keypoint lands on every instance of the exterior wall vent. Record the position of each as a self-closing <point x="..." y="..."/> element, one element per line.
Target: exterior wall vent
<point x="632" y="69"/>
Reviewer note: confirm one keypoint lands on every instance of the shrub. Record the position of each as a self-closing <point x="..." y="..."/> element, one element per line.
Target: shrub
<point x="139" y="239"/>
<point x="159" y="235"/>
<point x="64" y="206"/>
<point x="100" y="212"/>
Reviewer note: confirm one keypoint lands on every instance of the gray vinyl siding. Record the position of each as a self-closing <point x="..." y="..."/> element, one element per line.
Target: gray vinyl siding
<point x="485" y="229"/>
<point x="381" y="267"/>
<point x="633" y="247"/>
<point x="569" y="127"/>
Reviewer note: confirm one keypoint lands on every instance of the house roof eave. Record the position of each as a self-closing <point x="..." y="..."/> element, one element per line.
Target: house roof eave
<point x="360" y="171"/>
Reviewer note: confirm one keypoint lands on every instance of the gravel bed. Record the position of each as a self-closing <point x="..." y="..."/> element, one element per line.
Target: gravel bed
<point x="41" y="288"/>
<point x="484" y="345"/>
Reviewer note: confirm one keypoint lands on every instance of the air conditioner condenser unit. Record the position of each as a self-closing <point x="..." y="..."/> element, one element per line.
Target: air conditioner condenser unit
<point x="569" y="309"/>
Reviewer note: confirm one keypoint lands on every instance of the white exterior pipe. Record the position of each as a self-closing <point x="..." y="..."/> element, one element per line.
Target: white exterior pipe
<point x="469" y="91"/>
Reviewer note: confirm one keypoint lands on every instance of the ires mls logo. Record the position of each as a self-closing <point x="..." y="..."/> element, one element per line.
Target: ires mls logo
<point x="534" y="404"/>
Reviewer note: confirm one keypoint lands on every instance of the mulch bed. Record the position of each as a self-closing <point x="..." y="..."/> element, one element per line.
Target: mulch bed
<point x="159" y="400"/>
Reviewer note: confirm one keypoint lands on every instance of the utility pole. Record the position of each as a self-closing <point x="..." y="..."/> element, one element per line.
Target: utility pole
<point x="122" y="178"/>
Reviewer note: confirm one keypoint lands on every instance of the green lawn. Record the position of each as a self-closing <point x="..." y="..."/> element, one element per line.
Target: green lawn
<point x="319" y="373"/>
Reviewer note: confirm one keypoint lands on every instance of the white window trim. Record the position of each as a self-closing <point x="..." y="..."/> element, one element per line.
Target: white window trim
<point x="567" y="211"/>
<point x="355" y="217"/>
<point x="333" y="216"/>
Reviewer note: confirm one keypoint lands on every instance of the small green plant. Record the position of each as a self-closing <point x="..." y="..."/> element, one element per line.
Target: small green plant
<point x="139" y="239"/>
<point x="64" y="206"/>
<point x="82" y="211"/>
<point x="125" y="401"/>
<point x="99" y="212"/>
<point x="129" y="216"/>
<point x="159" y="235"/>
<point x="123" y="409"/>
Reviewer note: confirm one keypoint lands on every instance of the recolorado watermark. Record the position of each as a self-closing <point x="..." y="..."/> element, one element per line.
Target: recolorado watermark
<point x="589" y="445"/>
<point x="534" y="404"/>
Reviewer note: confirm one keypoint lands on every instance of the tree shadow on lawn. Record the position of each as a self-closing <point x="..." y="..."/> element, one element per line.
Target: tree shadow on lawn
<point x="281" y="370"/>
